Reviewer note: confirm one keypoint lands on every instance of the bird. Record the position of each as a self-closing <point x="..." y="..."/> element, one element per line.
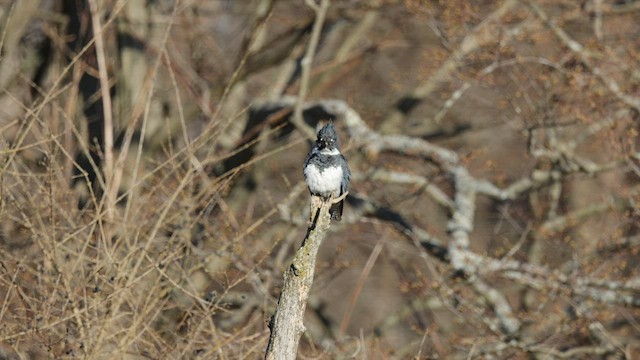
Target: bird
<point x="326" y="170"/>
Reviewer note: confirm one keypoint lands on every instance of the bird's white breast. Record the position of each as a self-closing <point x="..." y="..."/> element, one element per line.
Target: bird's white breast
<point x="326" y="182"/>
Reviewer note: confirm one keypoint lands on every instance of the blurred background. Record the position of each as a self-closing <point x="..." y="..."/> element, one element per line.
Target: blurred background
<point x="152" y="195"/>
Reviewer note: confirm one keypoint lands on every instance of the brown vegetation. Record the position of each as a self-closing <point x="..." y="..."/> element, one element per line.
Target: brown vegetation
<point x="152" y="197"/>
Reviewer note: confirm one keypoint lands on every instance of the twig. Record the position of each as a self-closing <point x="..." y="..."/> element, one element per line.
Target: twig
<point x="321" y="12"/>
<point x="548" y="351"/>
<point x="110" y="192"/>
<point x="597" y="21"/>
<point x="480" y="35"/>
<point x="560" y="223"/>
<point x="343" y="54"/>
<point x="579" y="50"/>
<point x="396" y="177"/>
<point x="358" y="286"/>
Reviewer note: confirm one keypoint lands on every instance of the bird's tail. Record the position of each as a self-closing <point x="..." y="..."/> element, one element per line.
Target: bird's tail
<point x="336" y="211"/>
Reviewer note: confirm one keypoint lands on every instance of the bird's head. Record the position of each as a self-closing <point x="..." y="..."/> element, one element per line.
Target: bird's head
<point x="327" y="138"/>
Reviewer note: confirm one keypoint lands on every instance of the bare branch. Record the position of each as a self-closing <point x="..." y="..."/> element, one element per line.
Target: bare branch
<point x="480" y="35"/>
<point x="111" y="191"/>
<point x="388" y="176"/>
<point x="583" y="55"/>
<point x="321" y="12"/>
<point x="287" y="323"/>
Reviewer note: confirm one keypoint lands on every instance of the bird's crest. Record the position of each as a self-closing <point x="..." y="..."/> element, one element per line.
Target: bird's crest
<point x="328" y="132"/>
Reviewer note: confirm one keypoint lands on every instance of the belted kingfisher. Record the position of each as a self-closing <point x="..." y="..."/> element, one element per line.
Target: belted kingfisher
<point x="326" y="170"/>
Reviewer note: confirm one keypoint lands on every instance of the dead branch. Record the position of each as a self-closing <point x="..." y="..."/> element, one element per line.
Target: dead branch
<point x="479" y="36"/>
<point x="584" y="56"/>
<point x="111" y="190"/>
<point x="320" y="11"/>
<point x="287" y="323"/>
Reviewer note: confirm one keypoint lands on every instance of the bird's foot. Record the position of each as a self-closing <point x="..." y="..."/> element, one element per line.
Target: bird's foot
<point x="339" y="198"/>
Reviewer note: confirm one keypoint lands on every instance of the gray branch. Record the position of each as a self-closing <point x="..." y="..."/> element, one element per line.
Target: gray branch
<point x="286" y="324"/>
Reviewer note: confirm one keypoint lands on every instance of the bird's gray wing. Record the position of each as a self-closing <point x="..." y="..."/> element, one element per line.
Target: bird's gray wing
<point x="346" y="175"/>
